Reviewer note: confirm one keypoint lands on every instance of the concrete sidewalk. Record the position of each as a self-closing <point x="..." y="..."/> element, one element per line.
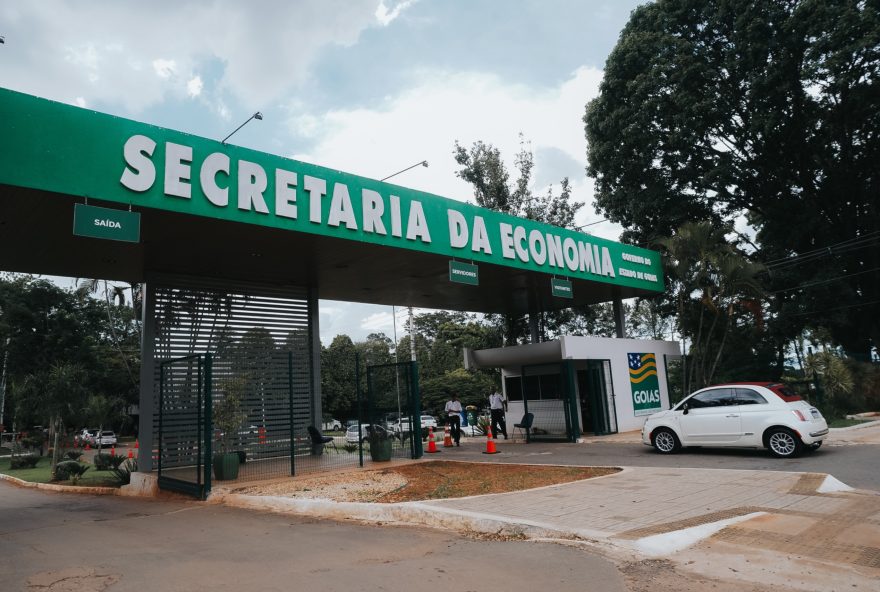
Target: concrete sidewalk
<point x="773" y="526"/>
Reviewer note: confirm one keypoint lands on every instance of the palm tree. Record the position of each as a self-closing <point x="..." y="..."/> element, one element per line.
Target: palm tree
<point x="709" y="279"/>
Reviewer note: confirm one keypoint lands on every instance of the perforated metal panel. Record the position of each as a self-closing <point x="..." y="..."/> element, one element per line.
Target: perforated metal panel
<point x="261" y="340"/>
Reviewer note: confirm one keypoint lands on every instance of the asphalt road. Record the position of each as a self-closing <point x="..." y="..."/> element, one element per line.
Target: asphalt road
<point x="856" y="465"/>
<point x="54" y="542"/>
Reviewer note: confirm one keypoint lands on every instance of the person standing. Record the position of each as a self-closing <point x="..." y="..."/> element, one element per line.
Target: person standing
<point x="453" y="415"/>
<point x="497" y="407"/>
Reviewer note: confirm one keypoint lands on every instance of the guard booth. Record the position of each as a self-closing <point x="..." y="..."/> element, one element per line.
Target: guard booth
<point x="236" y="247"/>
<point x="576" y="385"/>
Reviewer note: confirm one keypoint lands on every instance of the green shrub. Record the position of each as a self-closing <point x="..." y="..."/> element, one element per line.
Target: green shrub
<point x="104" y="462"/>
<point x="122" y="473"/>
<point x="32" y="441"/>
<point x="349" y="447"/>
<point x="70" y="469"/>
<point x="27" y="461"/>
<point x="73" y="454"/>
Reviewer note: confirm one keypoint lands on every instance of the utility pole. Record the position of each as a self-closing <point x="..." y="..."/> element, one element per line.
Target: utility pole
<point x="412" y="336"/>
<point x="3" y="381"/>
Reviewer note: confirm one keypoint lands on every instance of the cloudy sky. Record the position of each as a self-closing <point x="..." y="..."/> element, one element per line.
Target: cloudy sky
<point x="365" y="86"/>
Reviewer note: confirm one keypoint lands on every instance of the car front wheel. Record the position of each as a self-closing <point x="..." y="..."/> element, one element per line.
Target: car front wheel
<point x="665" y="441"/>
<point x="783" y="443"/>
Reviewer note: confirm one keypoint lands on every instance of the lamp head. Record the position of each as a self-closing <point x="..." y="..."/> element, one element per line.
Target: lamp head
<point x="424" y="163"/>
<point x="258" y="115"/>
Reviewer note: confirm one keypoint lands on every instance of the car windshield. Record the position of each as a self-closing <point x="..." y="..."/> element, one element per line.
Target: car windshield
<point x="107" y="433"/>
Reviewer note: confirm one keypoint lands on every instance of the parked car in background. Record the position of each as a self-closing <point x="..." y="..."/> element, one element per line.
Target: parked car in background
<point x="746" y="415"/>
<point x="353" y="435"/>
<point x="332" y="425"/>
<point x="107" y="438"/>
<point x="86" y="436"/>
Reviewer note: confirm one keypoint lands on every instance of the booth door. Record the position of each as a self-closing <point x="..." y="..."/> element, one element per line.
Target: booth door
<point x="596" y="398"/>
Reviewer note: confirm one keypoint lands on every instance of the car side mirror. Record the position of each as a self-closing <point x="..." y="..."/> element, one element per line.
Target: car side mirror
<point x="684" y="409"/>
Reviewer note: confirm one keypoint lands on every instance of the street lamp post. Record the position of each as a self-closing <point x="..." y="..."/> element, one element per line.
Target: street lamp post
<point x="257" y="115"/>
<point x="424" y="163"/>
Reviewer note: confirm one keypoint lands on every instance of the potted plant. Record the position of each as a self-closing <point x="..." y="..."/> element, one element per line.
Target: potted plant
<point x="380" y="443"/>
<point x="228" y="418"/>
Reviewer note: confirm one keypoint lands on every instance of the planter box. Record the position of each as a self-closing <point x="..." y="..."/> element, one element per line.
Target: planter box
<point x="380" y="450"/>
<point x="226" y="466"/>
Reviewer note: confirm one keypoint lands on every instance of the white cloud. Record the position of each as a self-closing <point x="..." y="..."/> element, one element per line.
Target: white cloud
<point x="264" y="51"/>
<point x="194" y="86"/>
<point x="424" y="122"/>
<point x="379" y="321"/>
<point x="164" y="68"/>
<point x="80" y="102"/>
<point x="386" y="16"/>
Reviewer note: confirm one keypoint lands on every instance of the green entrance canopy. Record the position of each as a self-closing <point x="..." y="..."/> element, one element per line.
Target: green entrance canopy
<point x="222" y="211"/>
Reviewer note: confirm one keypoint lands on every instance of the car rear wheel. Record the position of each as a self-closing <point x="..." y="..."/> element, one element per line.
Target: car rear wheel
<point x="783" y="443"/>
<point x="665" y="441"/>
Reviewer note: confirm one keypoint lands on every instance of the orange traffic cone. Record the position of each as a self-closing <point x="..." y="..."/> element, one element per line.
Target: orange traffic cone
<point x="130" y="453"/>
<point x="135" y="444"/>
<point x="432" y="445"/>
<point x="113" y="451"/>
<point x="490" y="442"/>
<point x="447" y="438"/>
<point x="88" y="447"/>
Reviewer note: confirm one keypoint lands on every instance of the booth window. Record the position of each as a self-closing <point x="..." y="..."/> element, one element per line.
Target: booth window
<point x="538" y="387"/>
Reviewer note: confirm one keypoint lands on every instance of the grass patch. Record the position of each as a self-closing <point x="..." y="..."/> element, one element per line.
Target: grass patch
<point x="845" y="423"/>
<point x="42" y="473"/>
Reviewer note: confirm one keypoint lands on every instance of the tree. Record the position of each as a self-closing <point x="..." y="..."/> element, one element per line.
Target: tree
<point x="482" y="166"/>
<point x="339" y="397"/>
<point x="765" y="111"/>
<point x="103" y="411"/>
<point x="708" y="280"/>
<point x="49" y="327"/>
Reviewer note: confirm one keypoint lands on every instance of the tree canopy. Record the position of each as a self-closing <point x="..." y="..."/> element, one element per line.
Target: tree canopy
<point x="757" y="112"/>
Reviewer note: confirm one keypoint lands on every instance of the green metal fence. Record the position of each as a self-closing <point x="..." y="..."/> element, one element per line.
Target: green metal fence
<point x="184" y="444"/>
<point x="392" y="426"/>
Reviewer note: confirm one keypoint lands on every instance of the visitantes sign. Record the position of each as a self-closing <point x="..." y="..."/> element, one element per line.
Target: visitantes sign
<point x="644" y="382"/>
<point x="106" y="223"/>
<point x="68" y="150"/>
<point x="464" y="273"/>
<point x="561" y="288"/>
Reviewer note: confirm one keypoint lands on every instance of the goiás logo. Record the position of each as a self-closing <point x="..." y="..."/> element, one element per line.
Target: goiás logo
<point x="644" y="382"/>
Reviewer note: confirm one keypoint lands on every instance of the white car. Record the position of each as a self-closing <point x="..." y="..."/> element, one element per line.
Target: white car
<point x="353" y="437"/>
<point x="427" y="421"/>
<point x="107" y="438"/>
<point x="746" y="415"/>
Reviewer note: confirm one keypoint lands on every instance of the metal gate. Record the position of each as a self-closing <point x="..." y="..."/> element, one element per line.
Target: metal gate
<point x="184" y="443"/>
<point x="393" y="426"/>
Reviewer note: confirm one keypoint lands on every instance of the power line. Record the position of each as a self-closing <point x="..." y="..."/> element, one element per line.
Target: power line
<point x="820" y="282"/>
<point x="855" y="243"/>
<point x="824" y="310"/>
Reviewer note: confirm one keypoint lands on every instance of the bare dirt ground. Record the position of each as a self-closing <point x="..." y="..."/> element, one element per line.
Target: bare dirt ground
<point x="425" y="481"/>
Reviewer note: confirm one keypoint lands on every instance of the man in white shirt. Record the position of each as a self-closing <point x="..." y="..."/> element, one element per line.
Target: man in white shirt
<point x="497" y="407"/>
<point x="453" y="414"/>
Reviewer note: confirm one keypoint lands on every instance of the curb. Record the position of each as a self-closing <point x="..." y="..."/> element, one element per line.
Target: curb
<point x="860" y="426"/>
<point x="59" y="488"/>
<point x="409" y="513"/>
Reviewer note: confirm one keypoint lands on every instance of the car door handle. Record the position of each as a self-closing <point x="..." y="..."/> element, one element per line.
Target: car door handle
<point x="732" y="415"/>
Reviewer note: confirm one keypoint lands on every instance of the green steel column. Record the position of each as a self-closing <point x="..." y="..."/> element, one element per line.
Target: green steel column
<point x="360" y="405"/>
<point x="571" y="415"/>
<point x="290" y="411"/>
<point x="416" y="406"/>
<point x="209" y="421"/>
